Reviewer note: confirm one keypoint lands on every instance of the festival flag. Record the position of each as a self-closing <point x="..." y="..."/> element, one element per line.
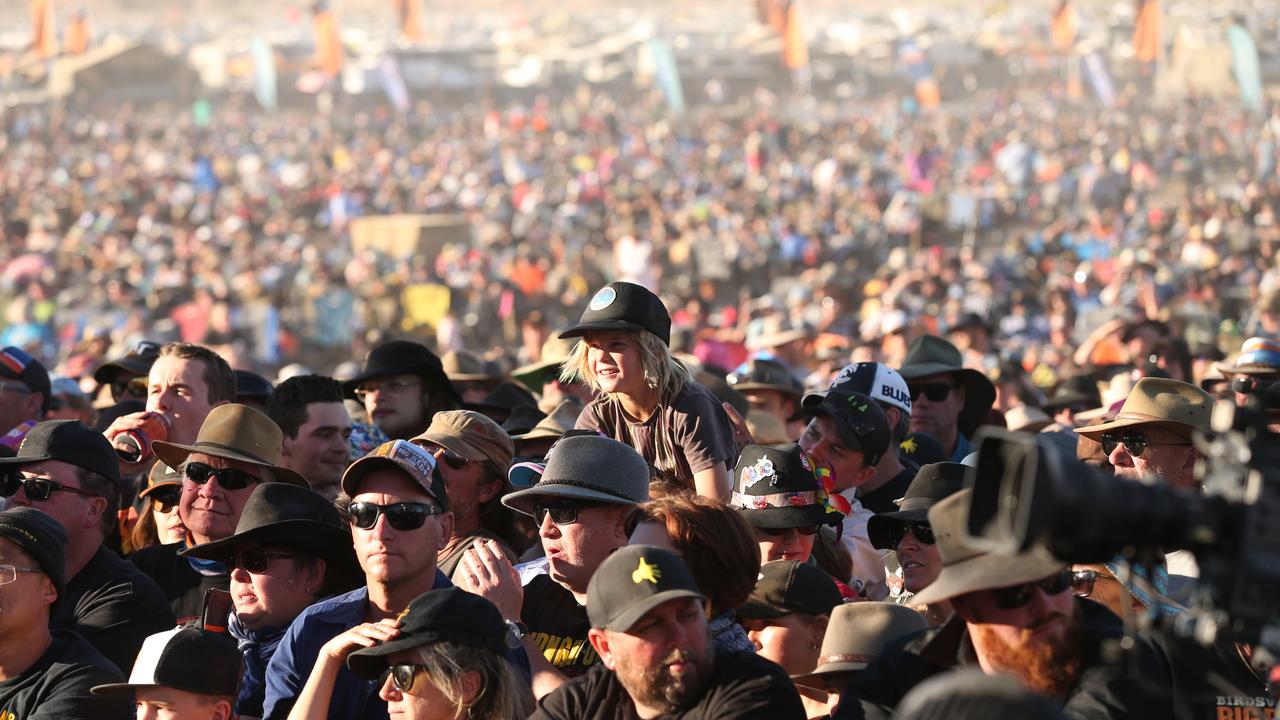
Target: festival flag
<point x="667" y="74"/>
<point x="1099" y="79"/>
<point x="328" y="39"/>
<point x="410" y="14"/>
<point x="1065" y="25"/>
<point x="920" y="70"/>
<point x="1146" y="32"/>
<point x="78" y="35"/>
<point x="795" y="49"/>
<point x="44" y="38"/>
<point x="1244" y="61"/>
<point x="264" y="75"/>
<point x="393" y="83"/>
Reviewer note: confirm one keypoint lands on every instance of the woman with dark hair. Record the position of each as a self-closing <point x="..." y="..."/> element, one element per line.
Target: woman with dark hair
<point x="718" y="546"/>
<point x="646" y="397"/>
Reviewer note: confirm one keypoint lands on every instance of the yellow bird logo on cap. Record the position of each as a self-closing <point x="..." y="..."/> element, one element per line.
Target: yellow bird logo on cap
<point x="645" y="571"/>
<point x="908" y="446"/>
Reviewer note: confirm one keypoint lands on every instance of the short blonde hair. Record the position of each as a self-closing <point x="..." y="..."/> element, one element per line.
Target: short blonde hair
<point x="662" y="371"/>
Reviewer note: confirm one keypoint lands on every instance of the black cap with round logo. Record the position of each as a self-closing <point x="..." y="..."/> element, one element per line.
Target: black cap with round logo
<point x="623" y="306"/>
<point x="633" y="581"/>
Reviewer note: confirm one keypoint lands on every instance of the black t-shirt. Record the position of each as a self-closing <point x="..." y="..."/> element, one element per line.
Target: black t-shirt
<point x="558" y="625"/>
<point x="57" y="686"/>
<point x="183" y="586"/>
<point x="1213" y="682"/>
<point x="881" y="499"/>
<point x="742" y="686"/>
<point x="114" y="606"/>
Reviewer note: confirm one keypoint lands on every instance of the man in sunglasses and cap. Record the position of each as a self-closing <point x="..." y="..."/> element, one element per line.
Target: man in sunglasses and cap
<point x="398" y="510"/>
<point x="649" y="627"/>
<point x="948" y="400"/>
<point x="1015" y="615"/>
<point x="236" y="449"/>
<point x="68" y="471"/>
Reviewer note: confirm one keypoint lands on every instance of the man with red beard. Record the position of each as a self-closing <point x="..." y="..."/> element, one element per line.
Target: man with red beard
<point x="1015" y="615"/>
<point x="649" y="627"/>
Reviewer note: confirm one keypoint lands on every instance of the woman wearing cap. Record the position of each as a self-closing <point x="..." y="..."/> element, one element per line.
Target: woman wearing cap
<point x="689" y="526"/>
<point x="158" y="523"/>
<point x="443" y="657"/>
<point x="647" y="398"/>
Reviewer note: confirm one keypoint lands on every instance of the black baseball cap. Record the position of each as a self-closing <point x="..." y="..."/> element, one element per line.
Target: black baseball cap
<point x="71" y="442"/>
<point x="136" y="363"/>
<point x="861" y="422"/>
<point x="41" y="537"/>
<point x="17" y="364"/>
<point x="192" y="659"/>
<point x="450" y="614"/>
<point x="633" y="581"/>
<point x="787" y="586"/>
<point x="623" y="306"/>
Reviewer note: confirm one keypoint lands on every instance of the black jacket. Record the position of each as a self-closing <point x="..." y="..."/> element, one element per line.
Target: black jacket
<point x="1138" y="689"/>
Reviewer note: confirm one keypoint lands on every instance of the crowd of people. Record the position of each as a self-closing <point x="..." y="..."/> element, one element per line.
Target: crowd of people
<point x="690" y="439"/>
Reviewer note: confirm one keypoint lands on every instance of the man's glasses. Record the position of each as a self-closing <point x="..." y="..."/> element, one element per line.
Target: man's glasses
<point x="1083" y="581"/>
<point x="166" y="498"/>
<point x="1012" y="598"/>
<point x="403" y="676"/>
<point x="447" y="456"/>
<point x="393" y="387"/>
<point x="228" y="478"/>
<point x="9" y="573"/>
<point x="935" y="392"/>
<point x="779" y="532"/>
<point x="1249" y="384"/>
<point x="14" y="387"/>
<point x="255" y="560"/>
<point x="400" y="516"/>
<point x="562" y="513"/>
<point x="38" y="489"/>
<point x="921" y="531"/>
<point x="1135" y="442"/>
<point x="135" y="387"/>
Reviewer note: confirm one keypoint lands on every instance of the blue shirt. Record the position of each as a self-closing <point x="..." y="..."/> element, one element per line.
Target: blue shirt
<point x="963" y="448"/>
<point x="296" y="656"/>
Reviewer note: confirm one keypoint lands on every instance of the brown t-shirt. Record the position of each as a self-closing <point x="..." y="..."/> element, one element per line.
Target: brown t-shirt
<point x="688" y="436"/>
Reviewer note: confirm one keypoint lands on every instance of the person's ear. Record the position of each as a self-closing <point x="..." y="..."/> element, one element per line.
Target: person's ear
<point x="490" y="489"/>
<point x="34" y="405"/>
<point x="599" y="640"/>
<point x="313" y="575"/>
<point x="819" y="629"/>
<point x="470" y="687"/>
<point x="222" y="710"/>
<point x="93" y="515"/>
<point x="48" y="593"/>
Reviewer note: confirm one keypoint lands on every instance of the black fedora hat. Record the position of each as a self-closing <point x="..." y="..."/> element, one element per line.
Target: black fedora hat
<point x="932" y="355"/>
<point x="402" y="357"/>
<point x="776" y="486"/>
<point x="290" y="516"/>
<point x="1074" y="390"/>
<point x="931" y="484"/>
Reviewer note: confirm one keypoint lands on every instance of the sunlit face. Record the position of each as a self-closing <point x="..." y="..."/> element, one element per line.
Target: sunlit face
<point x="177" y="390"/>
<point x="614" y="360"/>
<point x="423" y="700"/>
<point x="937" y="417"/>
<point x="390" y="556"/>
<point x="24" y="602"/>
<point x="77" y="514"/>
<point x="211" y="511"/>
<point x="1165" y="454"/>
<point x="784" y="544"/>
<point x="1043" y="617"/>
<point x="397" y="404"/>
<point x="166" y="703"/>
<point x="821" y="440"/>
<point x="920" y="562"/>
<point x="575" y="550"/>
<point x="791" y="640"/>
<point x="274" y="597"/>
<point x="664" y="659"/>
<point x="320" y="452"/>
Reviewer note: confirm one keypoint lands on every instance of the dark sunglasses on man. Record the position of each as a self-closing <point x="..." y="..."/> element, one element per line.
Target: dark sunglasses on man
<point x="562" y="512"/>
<point x="166" y="498"/>
<point x="1250" y="384"/>
<point x="920" y="530"/>
<point x="135" y="388"/>
<point x="229" y="478"/>
<point x="400" y="516"/>
<point x="934" y="391"/>
<point x="1012" y="598"/>
<point x="1135" y="442"/>
<point x="37" y="489"/>
<point x="255" y="561"/>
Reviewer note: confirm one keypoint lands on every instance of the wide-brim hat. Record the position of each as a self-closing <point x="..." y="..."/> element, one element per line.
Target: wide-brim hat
<point x="764" y="374"/>
<point x="932" y="484"/>
<point x="463" y="366"/>
<point x="856" y="635"/>
<point x="1162" y="402"/>
<point x="235" y="432"/>
<point x="967" y="569"/>
<point x="1074" y="390"/>
<point x="555" y="350"/>
<point x="560" y="421"/>
<point x="1027" y="418"/>
<point x="776" y="331"/>
<point x="402" y="357"/>
<point x="1258" y="356"/>
<point x="590" y="468"/>
<point x="289" y="516"/>
<point x="932" y="355"/>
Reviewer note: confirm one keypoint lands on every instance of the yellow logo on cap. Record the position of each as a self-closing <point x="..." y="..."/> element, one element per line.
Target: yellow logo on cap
<point x="645" y="571"/>
<point x="908" y="446"/>
<point x="402" y="614"/>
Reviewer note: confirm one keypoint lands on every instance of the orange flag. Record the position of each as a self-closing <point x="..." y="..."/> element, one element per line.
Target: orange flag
<point x="43" y="37"/>
<point x="1065" y="25"/>
<point x="410" y="14"/>
<point x="1146" y="32"/>
<point x="78" y="36"/>
<point x="795" y="49"/>
<point x="328" y="39"/>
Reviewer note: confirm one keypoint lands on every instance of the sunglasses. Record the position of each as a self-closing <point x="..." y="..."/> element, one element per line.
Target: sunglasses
<point x="448" y="457"/>
<point x="38" y="489"/>
<point x="562" y="513"/>
<point x="1083" y="581"/>
<point x="920" y="530"/>
<point x="403" y="676"/>
<point x="779" y="532"/>
<point x="137" y="387"/>
<point x="935" y="392"/>
<point x="1248" y="385"/>
<point x="400" y="516"/>
<point x="165" y="499"/>
<point x="255" y="560"/>
<point x="228" y="478"/>
<point x="1012" y="598"/>
<point x="1134" y="442"/>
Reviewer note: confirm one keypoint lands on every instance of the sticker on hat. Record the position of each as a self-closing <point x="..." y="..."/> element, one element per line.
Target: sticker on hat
<point x="763" y="469"/>
<point x="645" y="572"/>
<point x="603" y="299"/>
<point x="406" y="452"/>
<point x="805" y="462"/>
